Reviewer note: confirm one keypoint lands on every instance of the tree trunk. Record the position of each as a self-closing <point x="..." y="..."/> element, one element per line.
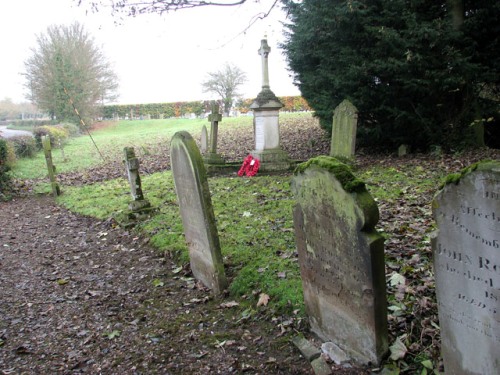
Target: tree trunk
<point x="457" y="13"/>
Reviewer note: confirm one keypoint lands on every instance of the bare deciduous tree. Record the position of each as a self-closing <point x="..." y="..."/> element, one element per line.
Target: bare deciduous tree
<point x="225" y="83"/>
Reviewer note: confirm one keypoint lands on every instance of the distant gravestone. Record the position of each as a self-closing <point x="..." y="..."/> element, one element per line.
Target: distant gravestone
<point x="215" y="117"/>
<point x="403" y="150"/>
<point x="341" y="259"/>
<point x="345" y="122"/>
<point x="197" y="213"/>
<point x="204" y="140"/>
<point x="466" y="249"/>
<point x="47" y="150"/>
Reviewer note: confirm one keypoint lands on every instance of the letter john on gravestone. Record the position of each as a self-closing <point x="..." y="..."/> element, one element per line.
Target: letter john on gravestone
<point x="197" y="213"/>
<point x="341" y="259"/>
<point x="466" y="251"/>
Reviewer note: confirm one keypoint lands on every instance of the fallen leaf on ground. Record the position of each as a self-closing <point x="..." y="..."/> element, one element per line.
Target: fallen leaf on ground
<point x="263" y="300"/>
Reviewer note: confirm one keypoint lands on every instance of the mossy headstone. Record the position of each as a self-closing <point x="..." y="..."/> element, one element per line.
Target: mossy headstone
<point x="341" y="259"/>
<point x="197" y="212"/>
<point x="344" y="127"/>
<point x="466" y="255"/>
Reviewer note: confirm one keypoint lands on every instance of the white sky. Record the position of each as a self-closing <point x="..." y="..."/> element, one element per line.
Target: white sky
<point x="157" y="58"/>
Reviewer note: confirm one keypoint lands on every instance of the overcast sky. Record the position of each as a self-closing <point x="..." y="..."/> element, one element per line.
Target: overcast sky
<point x="157" y="58"/>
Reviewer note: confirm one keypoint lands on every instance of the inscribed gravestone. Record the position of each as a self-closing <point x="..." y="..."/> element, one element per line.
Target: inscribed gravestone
<point x="345" y="121"/>
<point x="341" y="259"/>
<point x="204" y="139"/>
<point x="197" y="213"/>
<point x="466" y="249"/>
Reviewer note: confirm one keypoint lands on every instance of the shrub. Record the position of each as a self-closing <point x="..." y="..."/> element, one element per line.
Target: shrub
<point x="72" y="129"/>
<point x="57" y="134"/>
<point x="7" y="160"/>
<point x="24" y="146"/>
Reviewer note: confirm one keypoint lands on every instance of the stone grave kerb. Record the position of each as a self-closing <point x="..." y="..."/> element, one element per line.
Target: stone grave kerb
<point x="341" y="258"/>
<point x="212" y="157"/>
<point x="197" y="213"/>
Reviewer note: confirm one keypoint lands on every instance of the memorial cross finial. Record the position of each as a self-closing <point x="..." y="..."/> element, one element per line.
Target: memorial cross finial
<point x="264" y="53"/>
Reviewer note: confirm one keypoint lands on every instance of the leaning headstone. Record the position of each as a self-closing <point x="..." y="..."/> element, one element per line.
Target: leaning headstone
<point x="345" y="122"/>
<point x="197" y="213"/>
<point x="466" y="252"/>
<point x="204" y="140"/>
<point x="47" y="150"/>
<point x="341" y="259"/>
<point x="139" y="204"/>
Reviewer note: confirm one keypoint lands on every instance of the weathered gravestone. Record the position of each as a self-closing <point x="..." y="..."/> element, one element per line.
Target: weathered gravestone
<point x="341" y="259"/>
<point x="204" y="140"/>
<point x="139" y="203"/>
<point x="197" y="213"/>
<point x="215" y="117"/>
<point x="345" y="122"/>
<point x="466" y="249"/>
<point x="47" y="150"/>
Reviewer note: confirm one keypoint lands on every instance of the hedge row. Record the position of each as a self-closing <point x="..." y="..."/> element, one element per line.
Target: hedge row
<point x="180" y="109"/>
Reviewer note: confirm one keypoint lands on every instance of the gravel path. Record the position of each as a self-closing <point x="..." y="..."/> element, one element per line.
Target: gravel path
<point x="81" y="296"/>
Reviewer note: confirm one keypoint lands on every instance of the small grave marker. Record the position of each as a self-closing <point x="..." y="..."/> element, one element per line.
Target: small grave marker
<point x="466" y="253"/>
<point x="197" y="213"/>
<point x="215" y="117"/>
<point x="341" y="259"/>
<point x="345" y="120"/>
<point x="47" y="150"/>
<point x="139" y="203"/>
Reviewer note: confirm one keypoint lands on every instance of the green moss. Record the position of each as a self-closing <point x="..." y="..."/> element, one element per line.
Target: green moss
<point x="341" y="171"/>
<point x="265" y="96"/>
<point x="454" y="178"/>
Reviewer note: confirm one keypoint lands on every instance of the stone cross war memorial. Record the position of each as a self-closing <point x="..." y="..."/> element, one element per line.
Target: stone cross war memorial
<point x="197" y="212"/>
<point x="466" y="254"/>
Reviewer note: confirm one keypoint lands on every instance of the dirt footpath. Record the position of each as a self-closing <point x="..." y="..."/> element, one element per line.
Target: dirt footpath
<point x="82" y="296"/>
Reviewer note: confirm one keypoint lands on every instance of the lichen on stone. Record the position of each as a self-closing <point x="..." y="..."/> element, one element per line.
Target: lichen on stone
<point x="341" y="171"/>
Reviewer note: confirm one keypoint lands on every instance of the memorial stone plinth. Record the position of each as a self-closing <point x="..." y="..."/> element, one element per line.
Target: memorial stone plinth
<point x="266" y="122"/>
